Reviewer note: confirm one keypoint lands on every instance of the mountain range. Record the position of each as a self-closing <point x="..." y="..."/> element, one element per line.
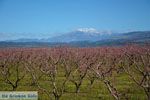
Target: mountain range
<point x="83" y="38"/>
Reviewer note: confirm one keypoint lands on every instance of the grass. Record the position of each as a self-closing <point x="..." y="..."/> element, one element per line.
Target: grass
<point x="98" y="91"/>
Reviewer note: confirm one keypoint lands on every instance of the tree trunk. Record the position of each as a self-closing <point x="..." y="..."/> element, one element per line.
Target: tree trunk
<point x="14" y="88"/>
<point x="77" y="88"/>
<point x="57" y="97"/>
<point x="148" y="94"/>
<point x="112" y="90"/>
<point x="33" y="83"/>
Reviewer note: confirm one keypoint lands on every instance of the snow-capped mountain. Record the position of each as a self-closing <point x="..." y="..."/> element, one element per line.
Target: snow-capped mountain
<point x="82" y="34"/>
<point x="85" y="37"/>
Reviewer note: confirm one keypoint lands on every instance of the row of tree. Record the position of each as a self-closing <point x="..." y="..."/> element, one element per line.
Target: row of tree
<point x="64" y="64"/>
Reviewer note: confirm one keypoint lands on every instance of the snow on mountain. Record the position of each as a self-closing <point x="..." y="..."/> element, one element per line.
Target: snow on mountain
<point x="93" y="31"/>
<point x="82" y="34"/>
<point x="88" y="30"/>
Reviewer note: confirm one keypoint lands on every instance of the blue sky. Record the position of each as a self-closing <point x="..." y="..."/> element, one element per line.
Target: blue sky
<point x="46" y="18"/>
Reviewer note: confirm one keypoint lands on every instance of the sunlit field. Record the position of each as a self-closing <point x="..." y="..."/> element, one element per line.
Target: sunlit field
<point x="68" y="73"/>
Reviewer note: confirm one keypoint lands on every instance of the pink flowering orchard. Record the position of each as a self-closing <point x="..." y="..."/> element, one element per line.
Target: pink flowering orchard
<point x="61" y="67"/>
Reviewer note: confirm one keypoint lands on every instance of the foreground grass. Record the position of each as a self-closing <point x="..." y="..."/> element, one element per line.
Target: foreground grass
<point x="98" y="91"/>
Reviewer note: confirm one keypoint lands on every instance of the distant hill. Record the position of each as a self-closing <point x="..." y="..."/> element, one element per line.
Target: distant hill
<point x="77" y="35"/>
<point x="81" y="36"/>
<point x="83" y="39"/>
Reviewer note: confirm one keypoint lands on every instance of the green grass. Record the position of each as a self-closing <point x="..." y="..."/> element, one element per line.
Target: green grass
<point x="98" y="91"/>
